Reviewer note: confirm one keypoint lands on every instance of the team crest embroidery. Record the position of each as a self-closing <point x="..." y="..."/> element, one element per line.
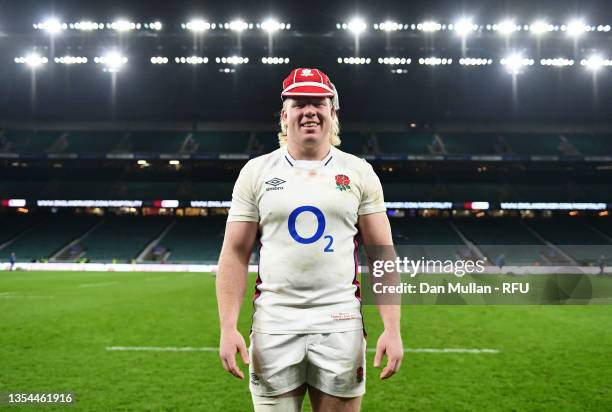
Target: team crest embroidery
<point x="343" y="182"/>
<point x="359" y="374"/>
<point x="307" y="73"/>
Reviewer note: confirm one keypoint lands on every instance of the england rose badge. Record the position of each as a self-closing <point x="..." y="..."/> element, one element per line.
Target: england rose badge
<point x="343" y="182"/>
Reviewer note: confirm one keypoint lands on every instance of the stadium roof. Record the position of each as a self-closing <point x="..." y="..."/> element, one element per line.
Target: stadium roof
<point x="517" y="80"/>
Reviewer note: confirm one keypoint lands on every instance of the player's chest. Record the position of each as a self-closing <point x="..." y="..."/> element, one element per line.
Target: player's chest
<point x="336" y="192"/>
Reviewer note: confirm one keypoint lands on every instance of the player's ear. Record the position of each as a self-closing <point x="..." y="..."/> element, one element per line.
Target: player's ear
<point x="283" y="115"/>
<point x="283" y="112"/>
<point x="333" y="109"/>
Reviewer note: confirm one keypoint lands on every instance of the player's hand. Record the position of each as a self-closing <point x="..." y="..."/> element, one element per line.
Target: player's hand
<point x="390" y="344"/>
<point x="232" y="342"/>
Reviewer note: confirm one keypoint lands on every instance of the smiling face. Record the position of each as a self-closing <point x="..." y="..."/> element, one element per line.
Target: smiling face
<point x="309" y="120"/>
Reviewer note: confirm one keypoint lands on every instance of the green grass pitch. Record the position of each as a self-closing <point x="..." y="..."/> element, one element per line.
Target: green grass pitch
<point x="55" y="327"/>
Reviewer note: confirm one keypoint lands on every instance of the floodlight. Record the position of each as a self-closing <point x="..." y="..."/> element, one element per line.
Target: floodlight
<point x="238" y="25"/>
<point x="575" y="28"/>
<point x="33" y="60"/>
<point x="464" y="27"/>
<point x="357" y="25"/>
<point x="540" y="27"/>
<point x="429" y="26"/>
<point x="506" y="27"/>
<point x="475" y="61"/>
<point x="52" y="26"/>
<point x="113" y="61"/>
<point x="271" y="25"/>
<point x="197" y="25"/>
<point x="435" y="61"/>
<point x="87" y="26"/>
<point x="70" y="60"/>
<point x="593" y="63"/>
<point x="275" y="60"/>
<point x="515" y="62"/>
<point x="159" y="60"/>
<point x="389" y="26"/>
<point x="123" y="25"/>
<point x="558" y="62"/>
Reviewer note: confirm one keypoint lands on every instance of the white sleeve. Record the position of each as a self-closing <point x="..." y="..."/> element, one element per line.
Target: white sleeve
<point x="372" y="199"/>
<point x="244" y="206"/>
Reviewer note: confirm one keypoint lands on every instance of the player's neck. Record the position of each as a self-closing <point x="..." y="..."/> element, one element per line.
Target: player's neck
<point x="308" y="153"/>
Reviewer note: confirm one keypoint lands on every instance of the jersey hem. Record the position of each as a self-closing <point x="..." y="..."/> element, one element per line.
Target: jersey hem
<point x="241" y="218"/>
<point x="369" y="212"/>
<point x="306" y="331"/>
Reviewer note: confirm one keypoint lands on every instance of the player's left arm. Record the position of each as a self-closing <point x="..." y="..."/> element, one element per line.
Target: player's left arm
<point x="376" y="230"/>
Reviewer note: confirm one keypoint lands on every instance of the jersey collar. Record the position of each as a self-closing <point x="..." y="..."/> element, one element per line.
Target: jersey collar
<point x="307" y="164"/>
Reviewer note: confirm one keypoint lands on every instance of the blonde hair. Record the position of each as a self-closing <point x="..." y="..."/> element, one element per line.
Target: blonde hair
<point x="334" y="133"/>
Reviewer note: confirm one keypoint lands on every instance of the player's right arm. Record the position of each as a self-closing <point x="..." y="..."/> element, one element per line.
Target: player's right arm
<point x="231" y="287"/>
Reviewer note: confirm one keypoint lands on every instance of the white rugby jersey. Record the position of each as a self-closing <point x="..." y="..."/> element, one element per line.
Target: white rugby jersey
<point x="307" y="213"/>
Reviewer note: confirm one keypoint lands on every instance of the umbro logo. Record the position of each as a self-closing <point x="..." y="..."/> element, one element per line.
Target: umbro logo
<point x="275" y="184"/>
<point x="307" y="73"/>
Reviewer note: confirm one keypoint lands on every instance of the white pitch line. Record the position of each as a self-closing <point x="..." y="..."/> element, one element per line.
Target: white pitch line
<point x="213" y="349"/>
<point x="26" y="297"/>
<point x="7" y="293"/>
<point x="447" y="350"/>
<point x="161" y="349"/>
<point x="93" y="285"/>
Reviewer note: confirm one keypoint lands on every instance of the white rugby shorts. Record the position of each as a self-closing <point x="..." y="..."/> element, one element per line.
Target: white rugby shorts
<point x="333" y="362"/>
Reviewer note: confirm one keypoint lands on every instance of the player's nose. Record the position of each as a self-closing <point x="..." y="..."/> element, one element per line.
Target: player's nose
<point x="310" y="110"/>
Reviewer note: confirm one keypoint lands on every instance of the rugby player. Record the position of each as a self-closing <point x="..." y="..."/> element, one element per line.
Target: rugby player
<point x="305" y="202"/>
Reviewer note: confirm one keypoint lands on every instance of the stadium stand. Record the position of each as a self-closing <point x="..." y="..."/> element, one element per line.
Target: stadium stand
<point x="93" y="142"/>
<point x="470" y="144"/>
<point x="21" y="189"/>
<point x="195" y="240"/>
<point x="406" y="143"/>
<point x="79" y="189"/>
<point x="14" y="224"/>
<point x="212" y="190"/>
<point x="604" y="226"/>
<point x="540" y="144"/>
<point x="148" y="190"/>
<point x="425" y="231"/>
<point x="220" y="142"/>
<point x="121" y="238"/>
<point x="500" y="192"/>
<point x="48" y="237"/>
<point x="429" y="238"/>
<point x="477" y="192"/>
<point x="357" y="143"/>
<point x="575" y="237"/>
<point x="401" y="192"/>
<point x="265" y="142"/>
<point x="28" y="141"/>
<point x="507" y="239"/>
<point x="592" y="145"/>
<point x="155" y="142"/>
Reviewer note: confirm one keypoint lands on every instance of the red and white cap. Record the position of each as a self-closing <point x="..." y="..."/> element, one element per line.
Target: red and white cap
<point x="307" y="82"/>
<point x="303" y="82"/>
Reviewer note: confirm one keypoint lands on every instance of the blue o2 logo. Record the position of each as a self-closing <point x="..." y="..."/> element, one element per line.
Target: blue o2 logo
<point x="320" y="227"/>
